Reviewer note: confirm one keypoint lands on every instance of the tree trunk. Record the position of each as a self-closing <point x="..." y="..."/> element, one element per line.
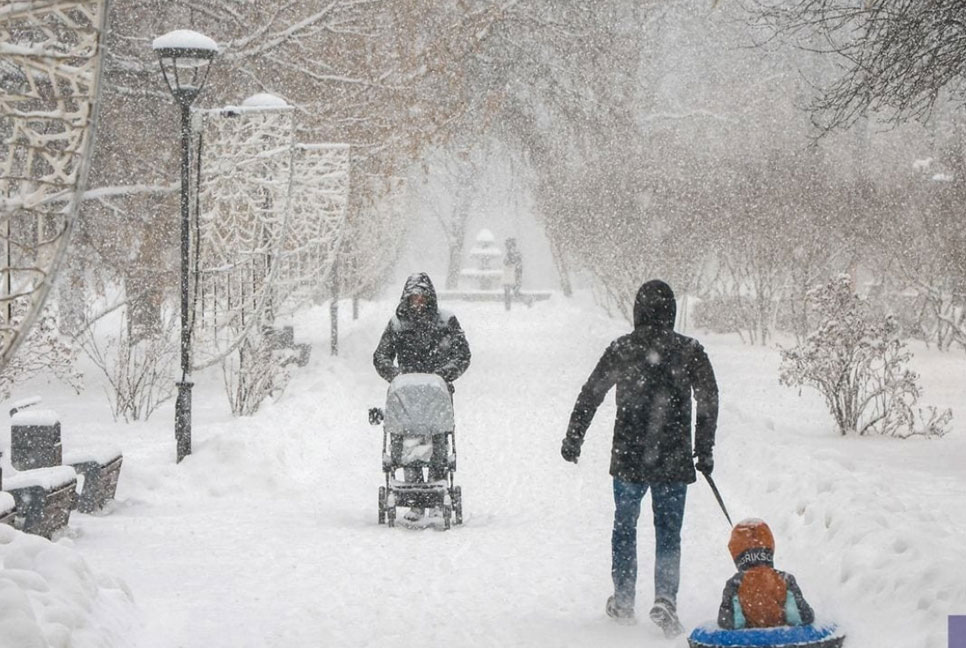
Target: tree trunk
<point x="455" y="263"/>
<point x="71" y="298"/>
<point x="560" y="263"/>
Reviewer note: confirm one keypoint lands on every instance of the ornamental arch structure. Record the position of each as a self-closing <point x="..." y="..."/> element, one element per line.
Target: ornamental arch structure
<point x="50" y="71"/>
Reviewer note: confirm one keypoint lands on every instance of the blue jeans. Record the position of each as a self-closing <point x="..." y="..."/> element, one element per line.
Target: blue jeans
<point x="667" y="504"/>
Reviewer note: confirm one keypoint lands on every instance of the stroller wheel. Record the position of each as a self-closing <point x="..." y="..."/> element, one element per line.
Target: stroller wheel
<point x="391" y="516"/>
<point x="382" y="505"/>
<point x="458" y="505"/>
<point x="447" y="516"/>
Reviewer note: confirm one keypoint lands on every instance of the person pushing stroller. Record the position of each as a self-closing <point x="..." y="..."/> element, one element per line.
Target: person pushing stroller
<point x="422" y="338"/>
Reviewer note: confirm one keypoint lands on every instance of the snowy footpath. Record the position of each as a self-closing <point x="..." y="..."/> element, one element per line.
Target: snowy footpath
<point x="266" y="535"/>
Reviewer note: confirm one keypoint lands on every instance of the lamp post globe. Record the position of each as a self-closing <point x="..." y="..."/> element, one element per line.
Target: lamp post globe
<point x="185" y="57"/>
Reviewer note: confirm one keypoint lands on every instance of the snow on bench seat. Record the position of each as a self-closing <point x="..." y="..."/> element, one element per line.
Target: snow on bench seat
<point x="102" y="455"/>
<point x="44" y="497"/>
<point x="49" y="478"/>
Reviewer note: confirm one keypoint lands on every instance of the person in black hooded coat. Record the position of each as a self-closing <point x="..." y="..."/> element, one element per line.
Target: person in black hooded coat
<point x="657" y="372"/>
<point x="421" y="338"/>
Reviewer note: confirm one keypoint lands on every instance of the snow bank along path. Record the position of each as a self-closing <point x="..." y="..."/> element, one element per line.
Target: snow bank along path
<point x="266" y="536"/>
<point x="50" y="597"/>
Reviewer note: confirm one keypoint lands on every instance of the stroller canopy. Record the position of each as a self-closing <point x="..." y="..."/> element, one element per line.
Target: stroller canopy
<point x="418" y="405"/>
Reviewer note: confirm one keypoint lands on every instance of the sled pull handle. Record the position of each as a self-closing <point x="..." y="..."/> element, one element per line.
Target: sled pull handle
<point x="717" y="496"/>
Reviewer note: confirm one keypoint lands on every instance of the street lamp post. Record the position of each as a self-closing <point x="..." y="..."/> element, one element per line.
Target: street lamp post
<point x="185" y="58"/>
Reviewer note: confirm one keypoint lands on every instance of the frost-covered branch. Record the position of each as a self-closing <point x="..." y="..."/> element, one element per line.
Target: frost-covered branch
<point x="900" y="56"/>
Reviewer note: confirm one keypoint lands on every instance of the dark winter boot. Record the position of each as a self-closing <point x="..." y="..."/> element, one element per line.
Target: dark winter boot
<point x="622" y="615"/>
<point x="665" y="616"/>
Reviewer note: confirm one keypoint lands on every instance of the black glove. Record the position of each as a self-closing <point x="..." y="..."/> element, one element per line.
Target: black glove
<point x="570" y="450"/>
<point x="375" y="416"/>
<point x="705" y="463"/>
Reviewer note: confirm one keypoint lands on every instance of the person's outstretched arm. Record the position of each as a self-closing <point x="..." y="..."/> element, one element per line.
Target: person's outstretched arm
<point x="705" y="389"/>
<point x="458" y="359"/>
<point x="383" y="359"/>
<point x="591" y="396"/>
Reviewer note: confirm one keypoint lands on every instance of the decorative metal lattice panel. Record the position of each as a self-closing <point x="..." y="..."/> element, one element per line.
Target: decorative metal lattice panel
<point x="320" y="193"/>
<point x="50" y="61"/>
<point x="240" y="224"/>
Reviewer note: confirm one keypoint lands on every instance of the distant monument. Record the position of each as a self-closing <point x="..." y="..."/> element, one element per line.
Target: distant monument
<point x="488" y="271"/>
<point x="485" y="280"/>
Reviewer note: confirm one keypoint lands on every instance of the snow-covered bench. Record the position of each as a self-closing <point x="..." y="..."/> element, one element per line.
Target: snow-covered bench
<point x="44" y="498"/>
<point x="99" y="471"/>
<point x="36" y="446"/>
<point x="283" y="339"/>
<point x="8" y="508"/>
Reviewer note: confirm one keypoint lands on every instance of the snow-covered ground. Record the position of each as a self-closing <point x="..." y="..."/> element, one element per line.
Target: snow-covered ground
<point x="267" y="536"/>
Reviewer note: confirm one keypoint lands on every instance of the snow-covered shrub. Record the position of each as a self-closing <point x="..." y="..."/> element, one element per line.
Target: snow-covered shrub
<point x="725" y="314"/>
<point x="258" y="369"/>
<point x="139" y="371"/>
<point x="44" y="349"/>
<point x="943" y="317"/>
<point x="910" y="312"/>
<point x="857" y="361"/>
<point x="935" y="314"/>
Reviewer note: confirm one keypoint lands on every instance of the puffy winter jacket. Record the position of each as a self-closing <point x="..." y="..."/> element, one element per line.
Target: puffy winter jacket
<point x="759" y="596"/>
<point x="657" y="372"/>
<point x="427" y="342"/>
<point x="763" y="597"/>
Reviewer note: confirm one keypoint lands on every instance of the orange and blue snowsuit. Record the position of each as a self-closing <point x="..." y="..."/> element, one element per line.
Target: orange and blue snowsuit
<point x="759" y="596"/>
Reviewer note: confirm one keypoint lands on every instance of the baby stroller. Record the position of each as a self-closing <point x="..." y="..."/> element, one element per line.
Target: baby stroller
<point x="418" y="432"/>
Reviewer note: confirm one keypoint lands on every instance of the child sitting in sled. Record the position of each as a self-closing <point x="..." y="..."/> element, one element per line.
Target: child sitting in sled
<point x="759" y="596"/>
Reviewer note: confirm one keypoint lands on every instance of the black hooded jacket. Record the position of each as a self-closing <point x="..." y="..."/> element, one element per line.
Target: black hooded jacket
<point x="431" y="342"/>
<point x="657" y="371"/>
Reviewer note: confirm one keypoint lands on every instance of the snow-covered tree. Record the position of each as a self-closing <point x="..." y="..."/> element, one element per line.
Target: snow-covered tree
<point x="45" y="351"/>
<point x="446" y="188"/>
<point x="920" y="260"/>
<point x="641" y="156"/>
<point x="898" y="57"/>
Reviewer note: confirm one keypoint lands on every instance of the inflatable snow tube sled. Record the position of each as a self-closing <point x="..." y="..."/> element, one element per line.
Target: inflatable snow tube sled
<point x="805" y="636"/>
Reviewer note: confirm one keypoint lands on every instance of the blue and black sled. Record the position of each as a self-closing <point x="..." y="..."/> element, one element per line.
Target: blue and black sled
<point x="805" y="636"/>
